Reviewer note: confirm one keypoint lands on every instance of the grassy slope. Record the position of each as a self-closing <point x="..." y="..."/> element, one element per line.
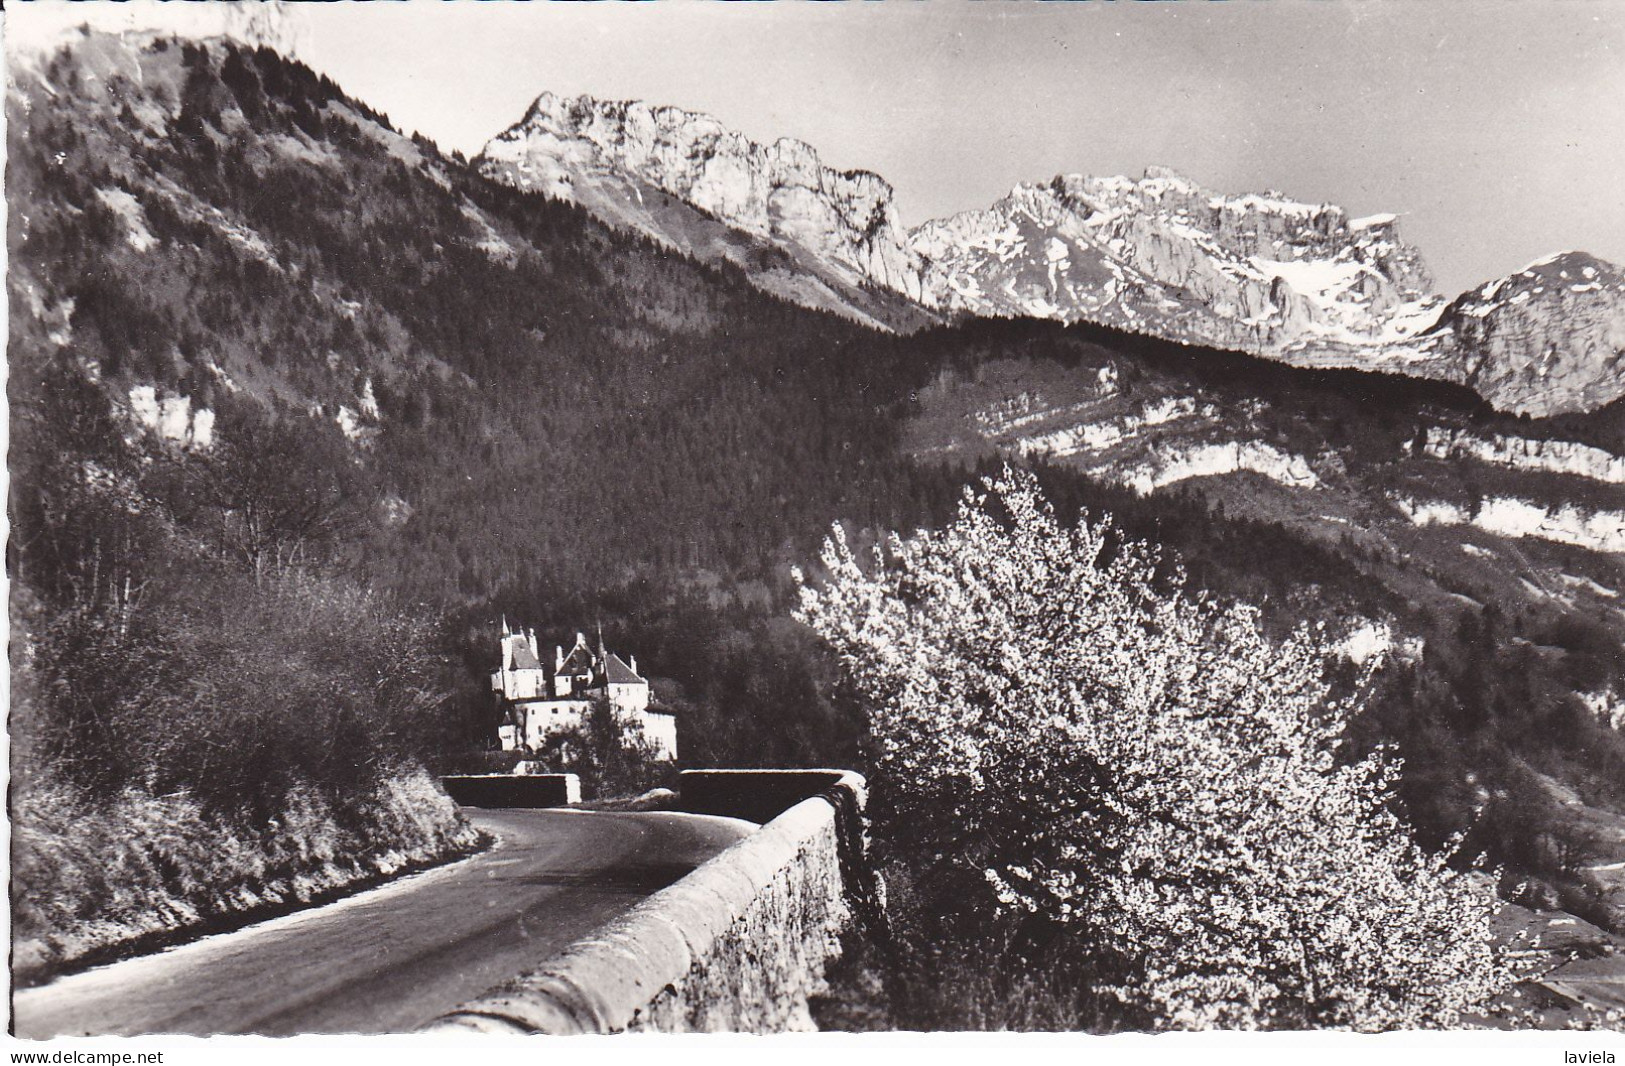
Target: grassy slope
<point x="136" y="872"/>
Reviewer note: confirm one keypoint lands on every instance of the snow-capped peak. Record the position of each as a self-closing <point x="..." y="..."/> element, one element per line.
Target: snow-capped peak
<point x="1163" y="254"/>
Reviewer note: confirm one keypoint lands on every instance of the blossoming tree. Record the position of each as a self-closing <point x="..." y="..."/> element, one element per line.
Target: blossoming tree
<point x="1150" y="770"/>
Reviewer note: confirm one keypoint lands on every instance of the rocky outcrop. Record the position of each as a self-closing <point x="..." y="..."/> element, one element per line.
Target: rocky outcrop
<point x="1593" y="529"/>
<point x="1608" y="706"/>
<point x="1171" y="466"/>
<point x="171" y="418"/>
<point x="1519" y="453"/>
<point x="1094" y="437"/>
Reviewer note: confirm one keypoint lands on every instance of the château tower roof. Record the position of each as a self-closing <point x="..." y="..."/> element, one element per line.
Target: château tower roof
<point x="522" y="658"/>
<point x="618" y="673"/>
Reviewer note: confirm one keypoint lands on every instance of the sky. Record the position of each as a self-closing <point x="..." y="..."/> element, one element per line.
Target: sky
<point x="1494" y="128"/>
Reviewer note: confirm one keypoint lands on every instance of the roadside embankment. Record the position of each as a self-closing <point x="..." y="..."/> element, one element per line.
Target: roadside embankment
<point x="741" y="943"/>
<point x="109" y="877"/>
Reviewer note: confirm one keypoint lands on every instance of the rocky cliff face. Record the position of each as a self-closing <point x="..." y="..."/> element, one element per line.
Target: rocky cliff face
<point x="623" y="160"/>
<point x="1546" y="340"/>
<point x="1518" y="453"/>
<point x="1583" y="527"/>
<point x="1299" y="282"/>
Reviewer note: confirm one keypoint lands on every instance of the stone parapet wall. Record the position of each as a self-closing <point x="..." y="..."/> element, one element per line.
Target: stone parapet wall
<point x="740" y="944"/>
<point x="513" y="790"/>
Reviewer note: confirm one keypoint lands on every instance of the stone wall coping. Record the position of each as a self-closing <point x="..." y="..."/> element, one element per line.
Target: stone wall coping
<point x="473" y="777"/>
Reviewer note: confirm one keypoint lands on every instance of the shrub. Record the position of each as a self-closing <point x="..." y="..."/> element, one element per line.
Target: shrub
<point x="231" y="689"/>
<point x="1060" y="735"/>
<point x="610" y="753"/>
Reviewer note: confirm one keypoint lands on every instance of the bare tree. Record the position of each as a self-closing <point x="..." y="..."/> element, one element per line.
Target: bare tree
<point x="279" y="503"/>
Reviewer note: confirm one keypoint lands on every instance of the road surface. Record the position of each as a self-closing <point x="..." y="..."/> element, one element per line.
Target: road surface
<point x="395" y="957"/>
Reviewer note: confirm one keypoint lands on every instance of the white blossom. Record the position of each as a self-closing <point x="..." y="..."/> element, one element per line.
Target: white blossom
<point x="1149" y="768"/>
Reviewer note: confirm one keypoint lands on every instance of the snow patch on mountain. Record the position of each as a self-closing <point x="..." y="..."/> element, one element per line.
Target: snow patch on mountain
<point x="1371" y="221"/>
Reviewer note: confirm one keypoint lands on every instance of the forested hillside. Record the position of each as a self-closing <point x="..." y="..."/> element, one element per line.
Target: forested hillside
<point x="301" y="405"/>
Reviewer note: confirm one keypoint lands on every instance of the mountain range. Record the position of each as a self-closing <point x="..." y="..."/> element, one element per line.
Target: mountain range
<point x="1159" y="255"/>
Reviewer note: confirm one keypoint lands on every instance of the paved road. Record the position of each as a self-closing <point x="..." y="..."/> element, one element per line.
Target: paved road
<point x="395" y="957"/>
